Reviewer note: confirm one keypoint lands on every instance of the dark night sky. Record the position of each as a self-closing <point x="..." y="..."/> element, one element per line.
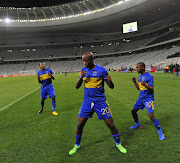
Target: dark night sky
<point x="31" y="3"/>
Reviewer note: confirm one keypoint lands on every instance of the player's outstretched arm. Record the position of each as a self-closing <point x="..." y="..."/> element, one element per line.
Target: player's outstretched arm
<point x="135" y="83"/>
<point x="80" y="80"/>
<point x="109" y="82"/>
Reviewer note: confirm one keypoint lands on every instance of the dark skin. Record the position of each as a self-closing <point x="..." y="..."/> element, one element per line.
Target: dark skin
<point x="141" y="70"/>
<point x="43" y="67"/>
<point x="89" y="63"/>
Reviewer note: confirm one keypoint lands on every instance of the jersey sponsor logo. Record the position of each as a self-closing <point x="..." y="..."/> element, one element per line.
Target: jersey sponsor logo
<point x="45" y="76"/>
<point x="93" y="82"/>
<point x="142" y="87"/>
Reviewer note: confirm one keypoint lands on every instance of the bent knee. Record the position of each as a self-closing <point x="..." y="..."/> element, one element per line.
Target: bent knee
<point x="152" y="117"/>
<point x="133" y="111"/>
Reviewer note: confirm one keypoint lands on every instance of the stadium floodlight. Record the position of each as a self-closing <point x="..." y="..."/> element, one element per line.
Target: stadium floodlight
<point x="7" y="20"/>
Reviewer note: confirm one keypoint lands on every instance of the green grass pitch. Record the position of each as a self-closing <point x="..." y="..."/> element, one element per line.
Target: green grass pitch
<point x="26" y="136"/>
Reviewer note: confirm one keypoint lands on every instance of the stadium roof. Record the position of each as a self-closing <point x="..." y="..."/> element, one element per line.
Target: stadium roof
<point x="32" y="3"/>
<point x="56" y="12"/>
<point x="144" y="11"/>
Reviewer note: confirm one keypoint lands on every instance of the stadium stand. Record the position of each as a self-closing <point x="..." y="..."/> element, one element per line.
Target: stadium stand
<point x="61" y="46"/>
<point x="149" y="58"/>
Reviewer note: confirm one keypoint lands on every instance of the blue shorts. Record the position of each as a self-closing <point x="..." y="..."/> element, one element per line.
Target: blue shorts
<point x="48" y="90"/>
<point x="102" y="110"/>
<point x="142" y="103"/>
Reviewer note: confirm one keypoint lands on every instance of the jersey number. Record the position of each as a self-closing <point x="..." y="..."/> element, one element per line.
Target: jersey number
<point x="150" y="104"/>
<point x="105" y="111"/>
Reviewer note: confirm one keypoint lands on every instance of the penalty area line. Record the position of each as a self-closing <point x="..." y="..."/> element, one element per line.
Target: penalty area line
<point x="18" y="99"/>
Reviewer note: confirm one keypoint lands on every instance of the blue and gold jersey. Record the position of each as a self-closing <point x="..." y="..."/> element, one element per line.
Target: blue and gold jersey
<point x="148" y="79"/>
<point x="94" y="84"/>
<point x="45" y="77"/>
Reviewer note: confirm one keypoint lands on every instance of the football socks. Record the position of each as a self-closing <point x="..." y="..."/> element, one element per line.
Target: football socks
<point x="53" y="105"/>
<point x="117" y="138"/>
<point x="77" y="139"/>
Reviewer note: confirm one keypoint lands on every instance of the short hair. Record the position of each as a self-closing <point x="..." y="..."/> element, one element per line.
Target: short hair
<point x="41" y="62"/>
<point x="91" y="55"/>
<point x="142" y="64"/>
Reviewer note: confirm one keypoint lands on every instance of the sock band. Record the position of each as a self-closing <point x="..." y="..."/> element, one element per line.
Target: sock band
<point x="53" y="105"/>
<point x="156" y="124"/>
<point x="135" y="117"/>
<point x="42" y="105"/>
<point x="77" y="139"/>
<point x="116" y="138"/>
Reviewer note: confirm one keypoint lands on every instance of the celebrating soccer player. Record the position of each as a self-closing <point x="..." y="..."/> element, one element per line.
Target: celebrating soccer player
<point x="146" y="98"/>
<point x="44" y="77"/>
<point x="94" y="100"/>
<point x="65" y="73"/>
<point x="171" y="66"/>
<point x="176" y="67"/>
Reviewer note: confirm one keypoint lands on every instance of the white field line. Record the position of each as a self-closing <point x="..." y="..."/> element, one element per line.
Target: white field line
<point x="19" y="99"/>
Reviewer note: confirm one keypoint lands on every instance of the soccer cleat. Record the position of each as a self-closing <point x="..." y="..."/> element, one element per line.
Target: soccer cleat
<point x="161" y="136"/>
<point x="74" y="150"/>
<point x="135" y="127"/>
<point x="121" y="148"/>
<point x="55" y="113"/>
<point x="40" y="111"/>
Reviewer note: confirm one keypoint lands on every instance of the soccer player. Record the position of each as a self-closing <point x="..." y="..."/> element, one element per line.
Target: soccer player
<point x="44" y="77"/>
<point x="65" y="75"/>
<point x="146" y="98"/>
<point x="94" y="100"/>
<point x="171" y="66"/>
<point x="176" y="67"/>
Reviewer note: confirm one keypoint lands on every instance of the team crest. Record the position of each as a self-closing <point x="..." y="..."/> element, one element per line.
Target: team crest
<point x="94" y="73"/>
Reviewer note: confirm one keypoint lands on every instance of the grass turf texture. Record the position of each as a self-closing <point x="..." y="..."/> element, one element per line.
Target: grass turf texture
<point x="26" y="136"/>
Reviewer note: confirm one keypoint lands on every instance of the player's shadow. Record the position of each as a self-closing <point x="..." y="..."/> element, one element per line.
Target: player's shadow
<point x="97" y="141"/>
<point x="128" y="135"/>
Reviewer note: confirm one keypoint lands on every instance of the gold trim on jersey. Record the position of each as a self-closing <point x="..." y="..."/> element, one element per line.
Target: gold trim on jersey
<point x="93" y="82"/>
<point x="142" y="87"/>
<point x="45" y="76"/>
